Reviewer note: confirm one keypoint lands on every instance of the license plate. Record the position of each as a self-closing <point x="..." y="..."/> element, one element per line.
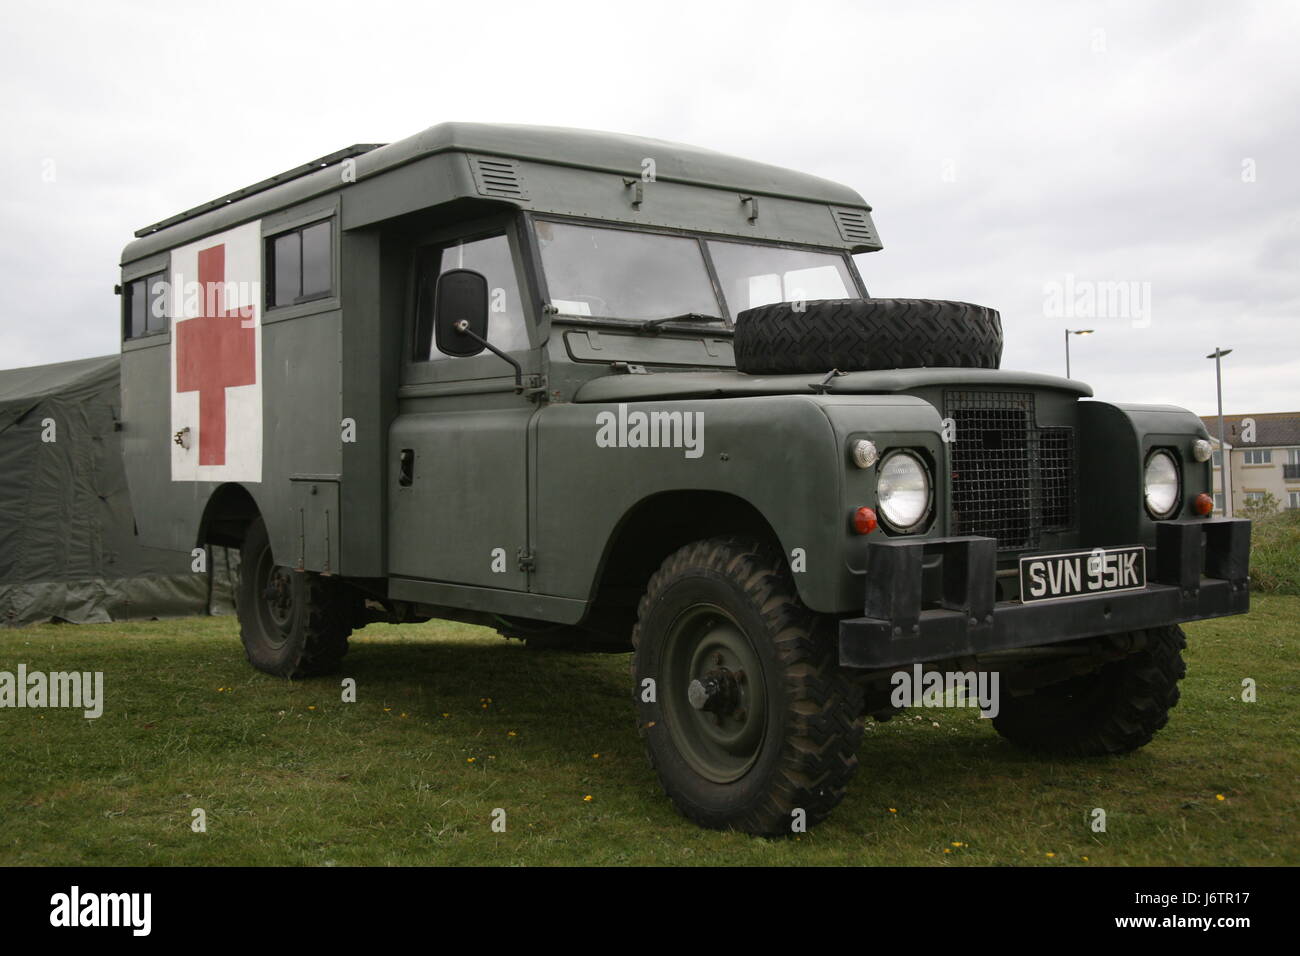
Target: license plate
<point x="1046" y="577"/>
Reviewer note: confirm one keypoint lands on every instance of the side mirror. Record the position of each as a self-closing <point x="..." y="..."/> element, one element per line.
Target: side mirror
<point x="460" y="318"/>
<point x="460" y="312"/>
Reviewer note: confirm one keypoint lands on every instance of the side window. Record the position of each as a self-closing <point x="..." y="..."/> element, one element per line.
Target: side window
<point x="144" y="306"/>
<point x="299" y="265"/>
<point x="489" y="256"/>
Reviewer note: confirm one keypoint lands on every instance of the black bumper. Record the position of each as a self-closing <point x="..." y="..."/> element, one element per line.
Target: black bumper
<point x="930" y="600"/>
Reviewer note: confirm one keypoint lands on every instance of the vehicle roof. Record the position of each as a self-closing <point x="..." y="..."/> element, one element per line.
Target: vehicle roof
<point x="549" y="145"/>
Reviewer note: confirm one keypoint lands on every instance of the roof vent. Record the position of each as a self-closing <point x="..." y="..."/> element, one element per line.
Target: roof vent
<point x="498" y="177"/>
<point x="855" y="225"/>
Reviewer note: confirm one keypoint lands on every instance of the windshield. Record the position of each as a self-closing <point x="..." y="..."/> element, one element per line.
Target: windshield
<point x="752" y="275"/>
<point x="626" y="274"/>
<point x="623" y="274"/>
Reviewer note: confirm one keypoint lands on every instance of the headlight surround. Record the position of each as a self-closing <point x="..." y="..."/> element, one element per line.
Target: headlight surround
<point x="903" y="491"/>
<point x="1161" y="484"/>
<point x="1202" y="450"/>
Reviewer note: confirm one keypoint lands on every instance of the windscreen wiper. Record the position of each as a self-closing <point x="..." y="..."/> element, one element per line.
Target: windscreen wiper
<point x="653" y="325"/>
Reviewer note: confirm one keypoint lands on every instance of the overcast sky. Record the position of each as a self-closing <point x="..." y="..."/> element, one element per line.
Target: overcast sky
<point x="1018" y="155"/>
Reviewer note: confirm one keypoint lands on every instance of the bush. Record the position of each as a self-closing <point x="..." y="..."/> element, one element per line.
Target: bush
<point x="1275" y="553"/>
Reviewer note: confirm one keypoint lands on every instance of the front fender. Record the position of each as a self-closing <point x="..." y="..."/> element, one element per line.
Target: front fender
<point x="785" y="455"/>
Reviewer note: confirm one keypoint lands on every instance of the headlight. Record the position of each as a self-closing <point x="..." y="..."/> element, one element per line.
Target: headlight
<point x="1161" y="482"/>
<point x="1202" y="450"/>
<point x="903" y="491"/>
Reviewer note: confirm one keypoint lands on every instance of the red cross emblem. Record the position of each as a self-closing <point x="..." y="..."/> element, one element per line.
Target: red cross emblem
<point x="215" y="351"/>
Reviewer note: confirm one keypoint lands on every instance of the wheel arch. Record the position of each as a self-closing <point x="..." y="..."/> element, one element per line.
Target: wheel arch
<point x="651" y="530"/>
<point x="227" y="515"/>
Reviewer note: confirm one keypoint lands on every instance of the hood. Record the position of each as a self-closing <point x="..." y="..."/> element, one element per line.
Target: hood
<point x="730" y="384"/>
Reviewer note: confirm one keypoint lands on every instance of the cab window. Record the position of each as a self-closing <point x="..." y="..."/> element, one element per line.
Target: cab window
<point x="489" y="255"/>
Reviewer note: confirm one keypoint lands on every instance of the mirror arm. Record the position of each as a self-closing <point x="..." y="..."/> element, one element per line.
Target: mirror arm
<point x="462" y="327"/>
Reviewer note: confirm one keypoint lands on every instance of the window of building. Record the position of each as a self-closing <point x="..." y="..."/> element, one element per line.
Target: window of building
<point x="1254" y="496"/>
<point x="1293" y="499"/>
<point x="144" y="306"/>
<point x="1218" y="459"/>
<point x="1293" y="456"/>
<point x="299" y="265"/>
<point x="490" y="256"/>
<point x="1259" y="456"/>
<point x="1218" y="502"/>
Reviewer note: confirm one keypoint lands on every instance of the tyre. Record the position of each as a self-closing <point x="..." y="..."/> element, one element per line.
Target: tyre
<point x="855" y="335"/>
<point x="1114" y="710"/>
<point x="292" y="623"/>
<point x="748" y="719"/>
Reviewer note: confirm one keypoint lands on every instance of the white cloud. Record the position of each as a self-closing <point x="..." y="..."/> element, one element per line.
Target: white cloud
<point x="1110" y="155"/>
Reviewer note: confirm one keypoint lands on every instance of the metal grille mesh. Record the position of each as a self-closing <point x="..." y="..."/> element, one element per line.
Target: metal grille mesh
<point x="1010" y="478"/>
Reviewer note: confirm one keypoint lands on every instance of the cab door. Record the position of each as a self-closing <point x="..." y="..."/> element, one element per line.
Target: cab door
<point x="458" y="474"/>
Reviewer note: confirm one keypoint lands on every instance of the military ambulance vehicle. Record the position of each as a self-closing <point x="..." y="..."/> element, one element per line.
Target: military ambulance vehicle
<point x="617" y="393"/>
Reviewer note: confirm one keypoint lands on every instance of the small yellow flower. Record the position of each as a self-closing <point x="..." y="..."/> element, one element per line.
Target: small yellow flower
<point x="403" y="715"/>
<point x="946" y="850"/>
<point x="446" y="715"/>
<point x="649" y="725"/>
<point x="1085" y="859"/>
<point x="469" y="759"/>
<point x="892" y="810"/>
<point x="1219" y="796"/>
<point x="587" y="799"/>
<point x="511" y="733"/>
<point x="595" y="756"/>
<point x="958" y="844"/>
<point x="311" y="706"/>
<point x="1051" y="856"/>
<point x="387" y="710"/>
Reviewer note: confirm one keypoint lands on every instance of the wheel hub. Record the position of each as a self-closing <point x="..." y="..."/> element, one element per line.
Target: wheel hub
<point x="716" y="712"/>
<point x="718" y="692"/>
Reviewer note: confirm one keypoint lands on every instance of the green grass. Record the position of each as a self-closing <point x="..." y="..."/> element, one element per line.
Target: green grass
<point x="410" y="774"/>
<point x="1275" y="553"/>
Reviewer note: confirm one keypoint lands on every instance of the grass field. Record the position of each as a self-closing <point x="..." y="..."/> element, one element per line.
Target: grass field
<point x="452" y="722"/>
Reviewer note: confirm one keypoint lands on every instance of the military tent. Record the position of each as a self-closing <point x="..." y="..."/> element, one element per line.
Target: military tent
<point x="68" y="549"/>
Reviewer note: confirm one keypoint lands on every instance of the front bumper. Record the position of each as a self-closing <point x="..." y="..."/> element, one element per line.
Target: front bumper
<point x="935" y="599"/>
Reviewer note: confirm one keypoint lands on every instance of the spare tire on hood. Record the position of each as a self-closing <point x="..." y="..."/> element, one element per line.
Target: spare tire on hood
<point x="862" y="335"/>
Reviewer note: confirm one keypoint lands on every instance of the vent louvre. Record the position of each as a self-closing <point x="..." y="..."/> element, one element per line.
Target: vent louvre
<point x="498" y="178"/>
<point x="855" y="225"/>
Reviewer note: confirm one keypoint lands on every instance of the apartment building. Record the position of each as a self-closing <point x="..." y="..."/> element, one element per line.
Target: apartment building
<point x="1263" y="458"/>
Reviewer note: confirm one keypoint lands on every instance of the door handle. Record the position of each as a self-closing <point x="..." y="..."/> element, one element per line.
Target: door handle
<point x="406" y="467"/>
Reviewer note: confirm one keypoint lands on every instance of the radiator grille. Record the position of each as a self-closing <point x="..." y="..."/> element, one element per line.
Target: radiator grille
<point x="1011" y="479"/>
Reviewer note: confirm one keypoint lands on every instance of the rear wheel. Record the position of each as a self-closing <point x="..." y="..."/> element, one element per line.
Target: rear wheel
<point x="743" y="709"/>
<point x="1114" y="710"/>
<point x="292" y="623"/>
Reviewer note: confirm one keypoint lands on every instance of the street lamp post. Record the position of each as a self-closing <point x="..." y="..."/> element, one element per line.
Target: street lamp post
<point x="1224" y="467"/>
<point x="1068" y="333"/>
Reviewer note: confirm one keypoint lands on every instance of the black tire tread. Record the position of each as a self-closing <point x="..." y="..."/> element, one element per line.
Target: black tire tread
<point x="867" y="335"/>
<point x="819" y="754"/>
<point x="1133" y="704"/>
<point x="330" y="612"/>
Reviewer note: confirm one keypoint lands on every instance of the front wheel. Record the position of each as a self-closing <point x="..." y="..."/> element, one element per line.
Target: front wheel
<point x="292" y="623"/>
<point x="741" y="704"/>
<point x="1114" y="710"/>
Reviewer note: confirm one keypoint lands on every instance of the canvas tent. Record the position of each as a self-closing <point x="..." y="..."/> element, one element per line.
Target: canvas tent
<point x="68" y="549"/>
